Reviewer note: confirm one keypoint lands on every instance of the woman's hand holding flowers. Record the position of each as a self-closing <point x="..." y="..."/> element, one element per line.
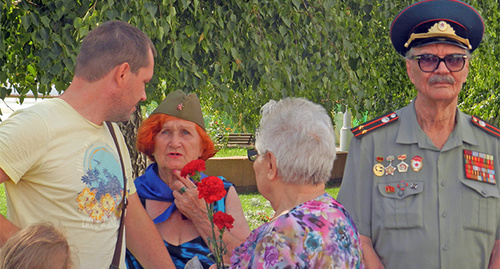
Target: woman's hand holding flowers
<point x="187" y="202"/>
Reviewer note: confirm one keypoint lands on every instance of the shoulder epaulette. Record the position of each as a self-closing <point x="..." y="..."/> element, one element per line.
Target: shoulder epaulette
<point x="369" y="126"/>
<point x="492" y="130"/>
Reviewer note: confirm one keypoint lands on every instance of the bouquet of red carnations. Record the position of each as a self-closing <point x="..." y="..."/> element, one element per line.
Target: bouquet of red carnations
<point x="212" y="190"/>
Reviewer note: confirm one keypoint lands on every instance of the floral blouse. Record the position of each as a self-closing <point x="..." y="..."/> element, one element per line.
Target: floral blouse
<point x="317" y="234"/>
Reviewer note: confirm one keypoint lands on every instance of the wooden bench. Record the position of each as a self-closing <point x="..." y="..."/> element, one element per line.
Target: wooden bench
<point x="244" y="140"/>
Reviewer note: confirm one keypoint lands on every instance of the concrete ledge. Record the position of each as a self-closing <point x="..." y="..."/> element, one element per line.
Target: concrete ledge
<point x="239" y="170"/>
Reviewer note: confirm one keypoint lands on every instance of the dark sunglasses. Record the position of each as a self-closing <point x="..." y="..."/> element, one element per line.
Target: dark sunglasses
<point x="252" y="154"/>
<point x="428" y="63"/>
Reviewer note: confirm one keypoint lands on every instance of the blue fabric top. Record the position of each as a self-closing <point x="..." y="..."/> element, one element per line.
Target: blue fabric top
<point x="150" y="186"/>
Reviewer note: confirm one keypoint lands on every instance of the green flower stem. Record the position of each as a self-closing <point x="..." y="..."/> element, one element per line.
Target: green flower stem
<point x="218" y="250"/>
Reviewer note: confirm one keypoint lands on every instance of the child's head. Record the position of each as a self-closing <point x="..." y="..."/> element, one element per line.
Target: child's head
<point x="39" y="246"/>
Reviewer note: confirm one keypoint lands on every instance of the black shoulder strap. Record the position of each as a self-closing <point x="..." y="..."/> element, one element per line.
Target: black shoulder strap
<point x="374" y="124"/>
<point x="123" y="204"/>
<point x="483" y="125"/>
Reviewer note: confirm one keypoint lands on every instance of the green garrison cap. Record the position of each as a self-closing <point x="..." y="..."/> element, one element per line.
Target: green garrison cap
<point x="182" y="106"/>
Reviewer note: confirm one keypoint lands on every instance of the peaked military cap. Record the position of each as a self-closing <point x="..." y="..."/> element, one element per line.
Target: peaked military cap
<point x="437" y="21"/>
<point x="182" y="106"/>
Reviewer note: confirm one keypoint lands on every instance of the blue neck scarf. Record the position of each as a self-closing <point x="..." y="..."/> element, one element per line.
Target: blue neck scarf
<point x="150" y="186"/>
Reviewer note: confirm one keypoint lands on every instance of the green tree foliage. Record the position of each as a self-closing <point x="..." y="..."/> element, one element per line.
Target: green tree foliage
<point x="239" y="54"/>
<point x="481" y="94"/>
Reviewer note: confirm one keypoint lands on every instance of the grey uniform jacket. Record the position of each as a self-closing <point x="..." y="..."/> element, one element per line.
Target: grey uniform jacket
<point x="432" y="215"/>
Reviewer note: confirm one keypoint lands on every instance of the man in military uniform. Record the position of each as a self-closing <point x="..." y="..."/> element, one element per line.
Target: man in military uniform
<point x="420" y="182"/>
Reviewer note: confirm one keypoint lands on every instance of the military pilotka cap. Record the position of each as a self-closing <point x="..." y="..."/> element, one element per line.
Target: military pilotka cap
<point x="182" y="106"/>
<point x="437" y="21"/>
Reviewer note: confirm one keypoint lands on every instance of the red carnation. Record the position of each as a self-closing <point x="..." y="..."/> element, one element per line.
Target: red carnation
<point x="211" y="189"/>
<point x="192" y="167"/>
<point x="222" y="220"/>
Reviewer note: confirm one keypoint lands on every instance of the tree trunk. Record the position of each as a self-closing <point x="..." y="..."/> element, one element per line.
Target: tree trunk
<point x="129" y="130"/>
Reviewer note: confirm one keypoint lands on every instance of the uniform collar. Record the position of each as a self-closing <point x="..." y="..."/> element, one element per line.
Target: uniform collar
<point x="410" y="132"/>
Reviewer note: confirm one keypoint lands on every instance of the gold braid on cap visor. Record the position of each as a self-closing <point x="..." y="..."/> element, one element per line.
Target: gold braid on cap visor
<point x="440" y="29"/>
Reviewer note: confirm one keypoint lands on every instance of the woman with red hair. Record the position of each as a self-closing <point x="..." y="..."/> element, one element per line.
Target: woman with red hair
<point x="171" y="137"/>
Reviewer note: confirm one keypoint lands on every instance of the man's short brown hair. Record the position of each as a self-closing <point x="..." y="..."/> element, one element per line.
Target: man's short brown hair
<point x="111" y="44"/>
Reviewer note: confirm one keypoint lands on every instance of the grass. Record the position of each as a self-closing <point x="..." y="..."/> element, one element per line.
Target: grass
<point x="258" y="210"/>
<point x="228" y="152"/>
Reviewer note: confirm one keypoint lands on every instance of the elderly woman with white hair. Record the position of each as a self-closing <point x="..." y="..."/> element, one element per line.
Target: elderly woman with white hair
<point x="295" y="151"/>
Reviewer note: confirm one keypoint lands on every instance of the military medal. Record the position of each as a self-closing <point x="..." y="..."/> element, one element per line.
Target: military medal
<point x="402" y="166"/>
<point x="390" y="189"/>
<point x="479" y="166"/>
<point x="402" y="186"/>
<point x="378" y="168"/>
<point x="389" y="170"/>
<point x="416" y="163"/>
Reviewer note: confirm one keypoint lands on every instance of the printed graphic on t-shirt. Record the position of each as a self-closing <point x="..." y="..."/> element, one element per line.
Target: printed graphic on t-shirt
<point x="104" y="180"/>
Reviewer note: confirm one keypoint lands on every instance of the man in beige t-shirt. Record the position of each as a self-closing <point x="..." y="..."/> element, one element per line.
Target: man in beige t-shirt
<point x="59" y="162"/>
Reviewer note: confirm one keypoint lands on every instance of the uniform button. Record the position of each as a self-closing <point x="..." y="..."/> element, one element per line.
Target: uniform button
<point x="445" y="248"/>
<point x="443" y="183"/>
<point x="443" y="215"/>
